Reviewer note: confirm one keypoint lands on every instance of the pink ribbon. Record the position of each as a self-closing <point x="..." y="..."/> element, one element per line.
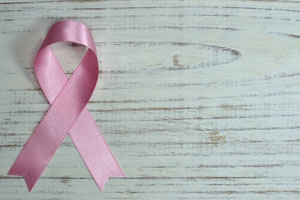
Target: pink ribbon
<point x="67" y="113"/>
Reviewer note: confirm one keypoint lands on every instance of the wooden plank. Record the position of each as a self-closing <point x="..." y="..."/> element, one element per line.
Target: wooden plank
<point x="197" y="99"/>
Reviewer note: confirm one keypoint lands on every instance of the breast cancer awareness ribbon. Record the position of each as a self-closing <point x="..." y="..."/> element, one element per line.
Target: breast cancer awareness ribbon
<point x="67" y="113"/>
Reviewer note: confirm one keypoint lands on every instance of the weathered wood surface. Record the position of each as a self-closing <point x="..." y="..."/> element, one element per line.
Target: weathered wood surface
<point x="197" y="99"/>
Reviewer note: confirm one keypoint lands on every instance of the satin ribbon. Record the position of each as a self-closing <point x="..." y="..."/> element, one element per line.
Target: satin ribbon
<point x="67" y="113"/>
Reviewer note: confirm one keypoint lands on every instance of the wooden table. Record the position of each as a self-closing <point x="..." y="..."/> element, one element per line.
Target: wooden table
<point x="197" y="99"/>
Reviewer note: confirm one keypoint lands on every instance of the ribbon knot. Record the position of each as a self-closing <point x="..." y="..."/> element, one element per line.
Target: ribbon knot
<point x="67" y="113"/>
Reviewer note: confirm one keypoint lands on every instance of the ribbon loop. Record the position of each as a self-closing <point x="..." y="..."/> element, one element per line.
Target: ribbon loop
<point x="67" y="113"/>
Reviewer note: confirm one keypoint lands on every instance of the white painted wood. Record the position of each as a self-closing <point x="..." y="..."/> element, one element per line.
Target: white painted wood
<point x="197" y="99"/>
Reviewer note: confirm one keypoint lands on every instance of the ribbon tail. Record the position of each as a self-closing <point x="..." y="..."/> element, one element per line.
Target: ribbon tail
<point x="101" y="183"/>
<point x="100" y="180"/>
<point x="93" y="150"/>
<point x="30" y="182"/>
<point x="29" y="177"/>
<point x="38" y="151"/>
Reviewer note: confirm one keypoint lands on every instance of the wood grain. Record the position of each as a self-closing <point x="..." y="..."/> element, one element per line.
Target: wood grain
<point x="197" y="99"/>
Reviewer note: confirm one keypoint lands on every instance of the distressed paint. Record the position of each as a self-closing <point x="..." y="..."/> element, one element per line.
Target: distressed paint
<point x="197" y="99"/>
